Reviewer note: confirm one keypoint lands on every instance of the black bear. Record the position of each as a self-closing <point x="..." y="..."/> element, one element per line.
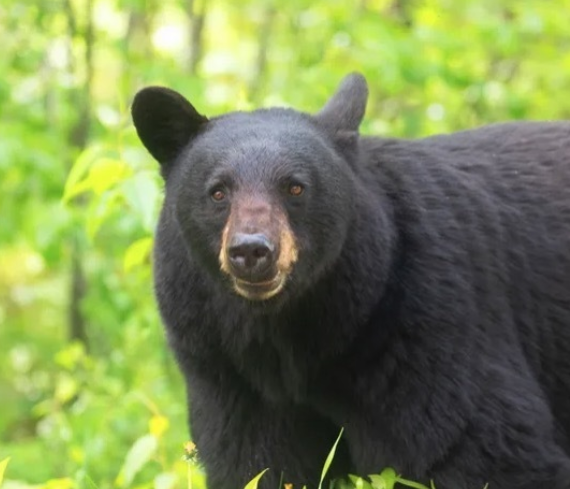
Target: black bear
<point x="414" y="292"/>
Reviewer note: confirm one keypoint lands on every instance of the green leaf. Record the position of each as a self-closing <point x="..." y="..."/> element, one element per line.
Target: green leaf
<point x="79" y="171"/>
<point x="407" y="483"/>
<point x="386" y="480"/>
<point x="137" y="253"/>
<point x="359" y="482"/>
<point x="84" y="481"/>
<point x="165" y="480"/>
<point x="99" y="210"/>
<point x="70" y="356"/>
<point x="141" y="193"/>
<point x="66" y="388"/>
<point x="378" y="482"/>
<point x="3" y="466"/>
<point x="252" y="484"/>
<point x="63" y="483"/>
<point x="103" y="174"/>
<point x="137" y="457"/>
<point x="329" y="459"/>
<point x="107" y="172"/>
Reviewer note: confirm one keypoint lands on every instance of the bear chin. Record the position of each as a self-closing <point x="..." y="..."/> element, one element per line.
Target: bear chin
<point x="260" y="291"/>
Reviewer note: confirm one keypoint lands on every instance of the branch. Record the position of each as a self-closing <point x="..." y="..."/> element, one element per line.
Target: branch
<point x="261" y="60"/>
<point x="197" y="20"/>
<point x="78" y="138"/>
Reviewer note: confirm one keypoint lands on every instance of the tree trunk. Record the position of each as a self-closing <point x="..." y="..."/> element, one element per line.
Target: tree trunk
<point x="78" y="137"/>
<point x="261" y="60"/>
<point x="196" y="11"/>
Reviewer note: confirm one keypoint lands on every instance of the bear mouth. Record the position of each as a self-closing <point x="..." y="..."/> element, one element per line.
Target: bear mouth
<point x="259" y="291"/>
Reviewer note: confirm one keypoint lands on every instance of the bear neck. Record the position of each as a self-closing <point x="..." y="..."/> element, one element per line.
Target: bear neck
<point x="281" y="351"/>
<point x="338" y="306"/>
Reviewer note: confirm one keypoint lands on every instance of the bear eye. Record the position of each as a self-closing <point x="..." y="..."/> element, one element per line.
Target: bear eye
<point x="296" y="189"/>
<point x="218" y="195"/>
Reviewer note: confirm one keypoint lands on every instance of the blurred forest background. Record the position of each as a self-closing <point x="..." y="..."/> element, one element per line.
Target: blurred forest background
<point x="89" y="395"/>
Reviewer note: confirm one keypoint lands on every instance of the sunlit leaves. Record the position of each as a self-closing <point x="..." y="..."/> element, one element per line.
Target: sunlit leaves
<point x="441" y="65"/>
<point x="330" y="458"/>
<point x="157" y="425"/>
<point x="137" y="254"/>
<point x="253" y="483"/>
<point x="103" y="174"/>
<point x="3" y="465"/>
<point x="387" y="479"/>
<point x="138" y="455"/>
<point x="142" y="194"/>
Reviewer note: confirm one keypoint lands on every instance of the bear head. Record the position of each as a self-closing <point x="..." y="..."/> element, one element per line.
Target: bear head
<point x="264" y="200"/>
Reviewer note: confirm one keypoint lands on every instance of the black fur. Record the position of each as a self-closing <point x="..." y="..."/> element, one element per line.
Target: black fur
<point x="428" y="313"/>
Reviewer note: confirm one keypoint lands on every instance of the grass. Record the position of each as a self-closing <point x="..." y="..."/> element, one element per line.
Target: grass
<point x="142" y="449"/>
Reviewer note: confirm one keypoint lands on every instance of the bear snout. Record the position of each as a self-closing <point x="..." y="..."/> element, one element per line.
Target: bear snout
<point x="258" y="248"/>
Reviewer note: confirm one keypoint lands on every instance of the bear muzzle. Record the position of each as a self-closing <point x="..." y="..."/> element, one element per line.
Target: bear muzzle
<point x="258" y="251"/>
<point x="252" y="263"/>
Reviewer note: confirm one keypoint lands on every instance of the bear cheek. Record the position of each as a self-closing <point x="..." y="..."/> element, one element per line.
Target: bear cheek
<point x="223" y="256"/>
<point x="289" y="252"/>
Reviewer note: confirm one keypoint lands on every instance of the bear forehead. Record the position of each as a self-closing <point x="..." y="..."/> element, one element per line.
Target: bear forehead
<point x="283" y="127"/>
<point x="259" y="138"/>
<point x="256" y="158"/>
<point x="273" y="117"/>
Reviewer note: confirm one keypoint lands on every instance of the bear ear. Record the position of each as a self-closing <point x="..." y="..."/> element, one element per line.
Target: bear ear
<point x="344" y="111"/>
<point x="165" y="121"/>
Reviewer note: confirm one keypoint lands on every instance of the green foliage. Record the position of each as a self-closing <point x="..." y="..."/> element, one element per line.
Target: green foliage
<point x="3" y="465"/>
<point x="253" y="483"/>
<point x="387" y="479"/>
<point x="329" y="459"/>
<point x="80" y="196"/>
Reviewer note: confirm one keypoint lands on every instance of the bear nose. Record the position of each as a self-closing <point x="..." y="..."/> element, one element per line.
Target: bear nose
<point x="251" y="255"/>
